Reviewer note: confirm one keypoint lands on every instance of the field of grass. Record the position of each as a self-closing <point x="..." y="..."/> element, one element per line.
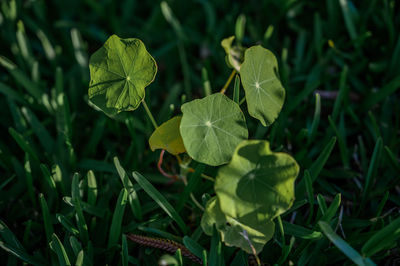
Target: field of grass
<point x="65" y="197"/>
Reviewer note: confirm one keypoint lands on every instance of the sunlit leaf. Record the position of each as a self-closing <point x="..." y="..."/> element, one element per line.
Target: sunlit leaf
<point x="168" y="137"/>
<point x="233" y="232"/>
<point x="264" y="92"/>
<point x="258" y="184"/>
<point x="119" y="73"/>
<point x="211" y="128"/>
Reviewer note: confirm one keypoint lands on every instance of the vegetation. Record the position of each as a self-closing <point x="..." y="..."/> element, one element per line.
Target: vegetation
<point x="80" y="187"/>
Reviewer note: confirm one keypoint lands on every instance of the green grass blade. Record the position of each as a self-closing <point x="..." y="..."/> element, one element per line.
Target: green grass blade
<point x="12" y="94"/>
<point x="372" y="170"/>
<point x="29" y="180"/>
<point x="206" y="82"/>
<point x="132" y="195"/>
<point x="47" y="176"/>
<point x="322" y="204"/>
<point x="384" y="92"/>
<point x="342" y="143"/>
<point x="343" y="246"/>
<point x="215" y="256"/>
<point x="384" y="238"/>
<point x="171" y="19"/>
<point x="80" y="258"/>
<point x="8" y="236"/>
<point x="236" y="89"/>
<point x="46" y="44"/>
<point x="392" y="158"/>
<point x="41" y="132"/>
<point x="194" y="181"/>
<point x="86" y="207"/>
<point x="204" y="257"/>
<point x="75" y="245"/>
<point x="19" y="121"/>
<point x="178" y="257"/>
<point x="193" y="246"/>
<point x="92" y="187"/>
<point x="59" y="249"/>
<point x="300" y="231"/>
<point x="319" y="163"/>
<point x="23" y="144"/>
<point x="240" y="27"/>
<point x="116" y="224"/>
<point x="318" y="41"/>
<point x="342" y="94"/>
<point x="160" y="200"/>
<point x="22" y="79"/>
<point x="161" y="233"/>
<point x="316" y="119"/>
<point x="124" y="252"/>
<point x="48" y="225"/>
<point x="82" y="226"/>
<point x="310" y="192"/>
<point x="331" y="211"/>
<point x="317" y="166"/>
<point x="348" y="19"/>
<point x="67" y="224"/>
<point x="10" y="244"/>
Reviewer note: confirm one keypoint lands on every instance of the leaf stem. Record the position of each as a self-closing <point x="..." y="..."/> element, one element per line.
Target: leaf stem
<point x="153" y="121"/>
<point x="242" y="101"/>
<point x="228" y="81"/>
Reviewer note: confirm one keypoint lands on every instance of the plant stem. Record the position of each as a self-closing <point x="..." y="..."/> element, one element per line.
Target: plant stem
<point x="228" y="81"/>
<point x="153" y="121"/>
<point x="242" y="100"/>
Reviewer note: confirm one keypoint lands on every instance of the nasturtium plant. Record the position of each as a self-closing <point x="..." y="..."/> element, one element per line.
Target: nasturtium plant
<point x="265" y="94"/>
<point x="119" y="73"/>
<point x="234" y="53"/>
<point x="211" y="128"/>
<point x="258" y="184"/>
<point x="168" y="137"/>
<point x="253" y="189"/>
<point x="232" y="231"/>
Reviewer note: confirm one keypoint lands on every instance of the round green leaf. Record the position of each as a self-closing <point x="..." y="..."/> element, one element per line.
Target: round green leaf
<point x="264" y="92"/>
<point x="168" y="137"/>
<point x="258" y="184"/>
<point x="211" y="128"/>
<point x="233" y="232"/>
<point x="119" y="72"/>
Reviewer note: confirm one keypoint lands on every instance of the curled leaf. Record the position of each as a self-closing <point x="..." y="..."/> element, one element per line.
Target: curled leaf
<point x="168" y="137"/>
<point x="234" y="53"/>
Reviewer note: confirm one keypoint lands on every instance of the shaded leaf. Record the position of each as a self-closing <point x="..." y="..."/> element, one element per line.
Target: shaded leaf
<point x="232" y="230"/>
<point x="258" y="184"/>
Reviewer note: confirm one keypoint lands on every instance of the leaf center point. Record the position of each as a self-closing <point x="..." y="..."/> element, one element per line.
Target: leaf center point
<point x="208" y="123"/>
